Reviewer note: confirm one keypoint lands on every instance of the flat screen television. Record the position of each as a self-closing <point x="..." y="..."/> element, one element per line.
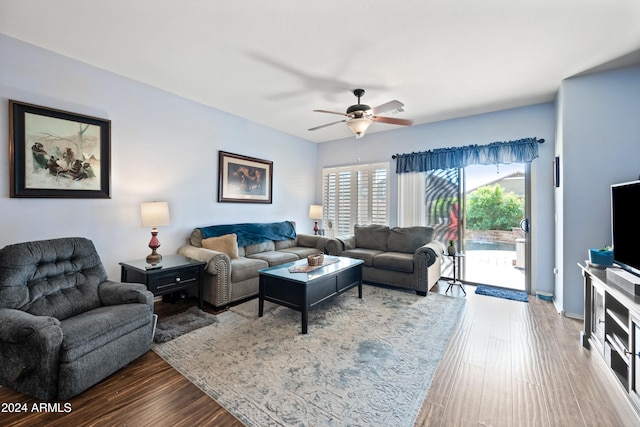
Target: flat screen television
<point x="625" y="225"/>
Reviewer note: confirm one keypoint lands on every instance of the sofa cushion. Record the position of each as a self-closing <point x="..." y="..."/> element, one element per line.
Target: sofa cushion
<point x="259" y="247"/>
<point x="301" y="252"/>
<point x="366" y="255"/>
<point x="284" y="244"/>
<point x="95" y="328"/>
<point x="396" y="261"/>
<point x="308" y="241"/>
<point x="246" y="268"/>
<point x="408" y="239"/>
<point x="227" y="244"/>
<point x="274" y="257"/>
<point x="371" y="236"/>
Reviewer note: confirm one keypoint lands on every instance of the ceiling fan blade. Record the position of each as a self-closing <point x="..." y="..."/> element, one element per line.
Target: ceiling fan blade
<point x="330" y="112"/>
<point x="393" y="121"/>
<point x="387" y="106"/>
<point x="328" y="124"/>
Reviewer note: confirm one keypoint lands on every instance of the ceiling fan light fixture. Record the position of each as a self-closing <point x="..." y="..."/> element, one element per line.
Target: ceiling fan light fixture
<point x="359" y="125"/>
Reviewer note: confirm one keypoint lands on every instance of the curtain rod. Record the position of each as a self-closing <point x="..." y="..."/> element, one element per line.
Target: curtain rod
<point x="395" y="156"/>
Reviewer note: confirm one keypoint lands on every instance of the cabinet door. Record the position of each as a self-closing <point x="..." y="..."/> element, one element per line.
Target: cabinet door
<point x="597" y="317"/>
<point x="634" y="387"/>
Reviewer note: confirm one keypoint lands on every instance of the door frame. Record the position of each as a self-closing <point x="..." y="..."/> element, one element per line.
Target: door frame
<point x="527" y="234"/>
<point x="462" y="210"/>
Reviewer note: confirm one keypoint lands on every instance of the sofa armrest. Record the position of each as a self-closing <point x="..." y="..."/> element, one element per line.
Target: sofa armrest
<point x="217" y="262"/>
<point x="437" y="246"/>
<point x="348" y="241"/>
<point x="328" y="245"/>
<point x="311" y="241"/>
<point x="423" y="258"/>
<point x="17" y="326"/>
<point x="217" y="270"/>
<point x="29" y="350"/>
<point x="333" y="246"/>
<point x="115" y="293"/>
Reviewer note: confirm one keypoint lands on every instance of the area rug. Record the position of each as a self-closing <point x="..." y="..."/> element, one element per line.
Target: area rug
<point x="182" y="323"/>
<point x="502" y="293"/>
<point x="364" y="361"/>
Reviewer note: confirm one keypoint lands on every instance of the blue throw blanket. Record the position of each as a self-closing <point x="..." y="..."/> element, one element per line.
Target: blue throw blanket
<point x="252" y="233"/>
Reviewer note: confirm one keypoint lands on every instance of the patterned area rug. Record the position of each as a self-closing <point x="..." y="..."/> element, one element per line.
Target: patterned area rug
<point x="502" y="293"/>
<point x="364" y="362"/>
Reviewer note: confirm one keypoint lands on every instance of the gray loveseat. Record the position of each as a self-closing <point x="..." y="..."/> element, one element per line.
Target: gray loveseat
<point x="403" y="257"/>
<point x="232" y="276"/>
<point x="63" y="326"/>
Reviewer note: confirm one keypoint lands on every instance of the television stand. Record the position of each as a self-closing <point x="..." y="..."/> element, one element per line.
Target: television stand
<point x="612" y="329"/>
<point x="629" y="282"/>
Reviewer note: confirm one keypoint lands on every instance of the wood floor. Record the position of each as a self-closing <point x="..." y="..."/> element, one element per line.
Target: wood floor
<point x="507" y="364"/>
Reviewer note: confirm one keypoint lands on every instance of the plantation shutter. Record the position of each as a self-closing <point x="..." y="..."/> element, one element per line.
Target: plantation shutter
<point x="344" y="203"/>
<point x="355" y="195"/>
<point x="379" y="199"/>
<point x="363" y="201"/>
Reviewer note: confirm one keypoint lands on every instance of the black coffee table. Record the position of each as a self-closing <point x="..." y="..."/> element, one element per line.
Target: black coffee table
<point x="305" y="290"/>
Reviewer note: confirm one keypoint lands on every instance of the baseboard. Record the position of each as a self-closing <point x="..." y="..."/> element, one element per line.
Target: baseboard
<point x="574" y="316"/>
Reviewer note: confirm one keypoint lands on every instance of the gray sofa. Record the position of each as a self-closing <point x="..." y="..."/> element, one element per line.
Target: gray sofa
<point x="259" y="245"/>
<point x="63" y="326"/>
<point x="403" y="257"/>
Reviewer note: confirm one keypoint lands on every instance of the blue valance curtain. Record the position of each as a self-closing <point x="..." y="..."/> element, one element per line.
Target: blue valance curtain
<point x="520" y="151"/>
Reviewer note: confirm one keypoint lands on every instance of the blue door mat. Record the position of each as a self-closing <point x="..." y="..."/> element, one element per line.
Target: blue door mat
<point x="502" y="293"/>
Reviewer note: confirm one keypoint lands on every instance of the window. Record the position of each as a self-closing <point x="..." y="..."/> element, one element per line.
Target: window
<point x="355" y="195"/>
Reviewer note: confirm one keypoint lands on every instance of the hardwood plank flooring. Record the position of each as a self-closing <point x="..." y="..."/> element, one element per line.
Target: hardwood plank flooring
<point x="507" y="364"/>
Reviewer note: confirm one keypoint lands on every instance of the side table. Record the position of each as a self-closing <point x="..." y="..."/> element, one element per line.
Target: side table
<point x="174" y="273"/>
<point x="455" y="282"/>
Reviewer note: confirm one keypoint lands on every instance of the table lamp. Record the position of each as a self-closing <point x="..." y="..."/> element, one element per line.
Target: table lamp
<point x="315" y="212"/>
<point x="154" y="214"/>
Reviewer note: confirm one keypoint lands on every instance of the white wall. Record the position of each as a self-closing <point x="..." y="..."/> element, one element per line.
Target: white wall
<point x="599" y="145"/>
<point x="533" y="121"/>
<point x="163" y="147"/>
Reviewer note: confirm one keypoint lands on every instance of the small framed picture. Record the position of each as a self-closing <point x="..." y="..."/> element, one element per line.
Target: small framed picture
<point x="56" y="153"/>
<point x="244" y="179"/>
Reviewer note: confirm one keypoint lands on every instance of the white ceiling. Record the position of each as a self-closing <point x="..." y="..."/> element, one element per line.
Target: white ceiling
<point x="275" y="61"/>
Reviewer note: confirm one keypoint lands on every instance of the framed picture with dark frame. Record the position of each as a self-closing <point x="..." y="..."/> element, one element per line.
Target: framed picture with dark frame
<point x="244" y="179"/>
<point x="56" y="153"/>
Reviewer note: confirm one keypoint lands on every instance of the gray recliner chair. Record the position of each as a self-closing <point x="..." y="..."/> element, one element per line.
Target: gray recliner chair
<point x="63" y="326"/>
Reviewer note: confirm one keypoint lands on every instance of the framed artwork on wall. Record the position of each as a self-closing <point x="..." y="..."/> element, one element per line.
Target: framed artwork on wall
<point x="56" y="153"/>
<point x="244" y="179"/>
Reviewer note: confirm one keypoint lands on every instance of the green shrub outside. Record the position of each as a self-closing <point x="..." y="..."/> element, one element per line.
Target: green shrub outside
<point x="490" y="208"/>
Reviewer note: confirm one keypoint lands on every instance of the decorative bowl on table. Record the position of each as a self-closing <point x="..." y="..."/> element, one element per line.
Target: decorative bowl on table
<point x="315" y="260"/>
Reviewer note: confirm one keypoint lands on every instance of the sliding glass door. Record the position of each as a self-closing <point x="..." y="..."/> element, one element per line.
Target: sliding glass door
<point x="494" y="241"/>
<point x="483" y="210"/>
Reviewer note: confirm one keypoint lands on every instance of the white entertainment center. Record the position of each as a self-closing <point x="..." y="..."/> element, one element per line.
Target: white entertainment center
<point x="612" y="325"/>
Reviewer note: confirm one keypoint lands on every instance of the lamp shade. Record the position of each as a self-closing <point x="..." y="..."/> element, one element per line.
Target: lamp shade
<point x="315" y="211"/>
<point x="359" y="125"/>
<point x="154" y="214"/>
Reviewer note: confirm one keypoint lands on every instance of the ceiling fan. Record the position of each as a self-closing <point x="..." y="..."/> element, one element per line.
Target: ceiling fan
<point x="360" y="116"/>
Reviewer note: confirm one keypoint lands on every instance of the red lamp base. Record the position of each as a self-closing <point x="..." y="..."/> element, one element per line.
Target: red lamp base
<point x="154" y="257"/>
